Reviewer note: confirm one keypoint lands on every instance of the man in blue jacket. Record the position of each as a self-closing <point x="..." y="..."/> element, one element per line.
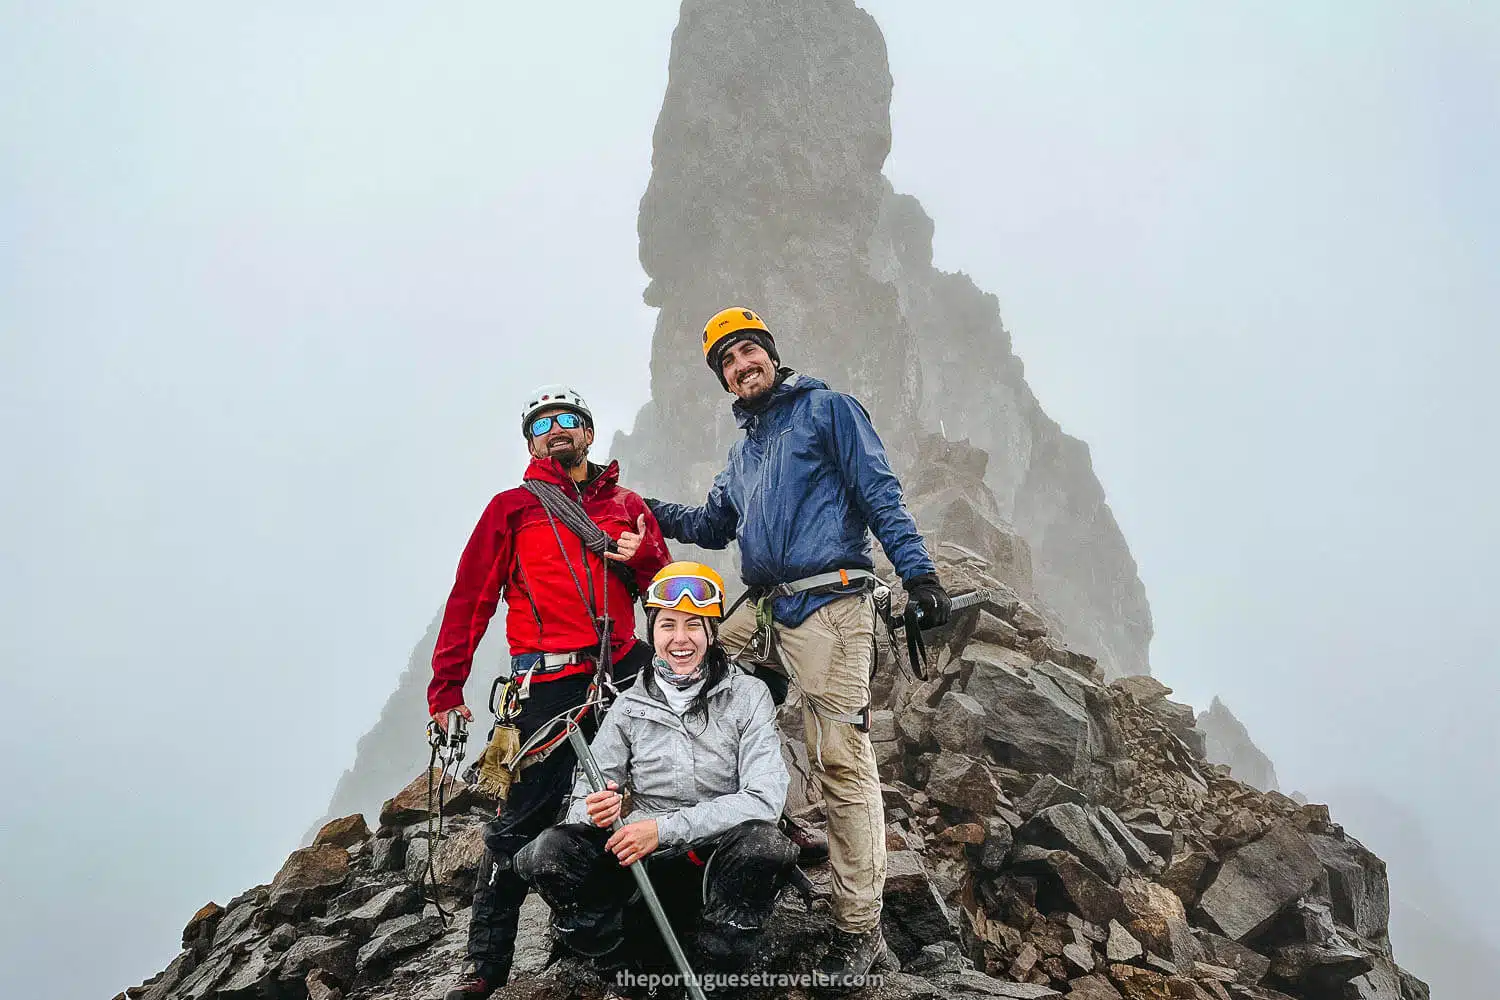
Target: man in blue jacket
<point x="802" y="492"/>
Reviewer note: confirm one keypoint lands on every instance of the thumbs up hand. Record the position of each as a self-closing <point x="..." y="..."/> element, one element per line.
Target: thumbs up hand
<point x="629" y="542"/>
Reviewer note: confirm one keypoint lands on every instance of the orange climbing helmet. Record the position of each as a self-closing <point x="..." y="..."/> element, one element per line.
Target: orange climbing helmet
<point x="687" y="586"/>
<point x="729" y="326"/>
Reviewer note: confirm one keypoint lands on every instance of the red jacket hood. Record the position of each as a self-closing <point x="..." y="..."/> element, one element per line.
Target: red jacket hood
<point x="550" y="470"/>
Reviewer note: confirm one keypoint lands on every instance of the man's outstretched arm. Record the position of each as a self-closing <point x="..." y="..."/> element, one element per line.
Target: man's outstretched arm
<point x="711" y="526"/>
<point x="867" y="474"/>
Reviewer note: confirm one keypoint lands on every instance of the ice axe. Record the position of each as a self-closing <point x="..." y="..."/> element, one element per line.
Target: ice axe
<point x="913" y="621"/>
<point x="642" y="880"/>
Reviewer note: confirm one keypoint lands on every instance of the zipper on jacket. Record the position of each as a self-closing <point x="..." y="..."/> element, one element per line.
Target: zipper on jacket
<point x="526" y="584"/>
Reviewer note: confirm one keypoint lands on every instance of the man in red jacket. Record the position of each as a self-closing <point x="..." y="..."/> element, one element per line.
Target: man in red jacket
<point x="566" y="602"/>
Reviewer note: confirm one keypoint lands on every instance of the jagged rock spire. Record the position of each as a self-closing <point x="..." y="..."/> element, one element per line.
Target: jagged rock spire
<point x="766" y="191"/>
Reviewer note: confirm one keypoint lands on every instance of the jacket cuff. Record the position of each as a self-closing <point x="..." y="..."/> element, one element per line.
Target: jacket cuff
<point x="671" y="829"/>
<point x="444" y="698"/>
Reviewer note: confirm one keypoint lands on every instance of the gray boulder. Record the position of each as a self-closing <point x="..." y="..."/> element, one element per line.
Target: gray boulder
<point x="399" y="935"/>
<point x="1048" y="791"/>
<point x="1031" y="721"/>
<point x="417" y="852"/>
<point x="913" y="913"/>
<point x="1357" y="892"/>
<point x="1137" y="854"/>
<point x="964" y="783"/>
<point x="1180" y="721"/>
<point x="1068" y="827"/>
<point x="1144" y="688"/>
<point x="999" y="838"/>
<point x="202" y="981"/>
<point x="396" y="901"/>
<point x="332" y="954"/>
<point x="1073" y="886"/>
<point x="1121" y="946"/>
<point x="1250" y="966"/>
<point x="1162" y="842"/>
<point x="252" y="977"/>
<point x="914" y="723"/>
<point x="1260" y="880"/>
<point x="959" y="724"/>
<point x="388" y="854"/>
<point x="1316" y="959"/>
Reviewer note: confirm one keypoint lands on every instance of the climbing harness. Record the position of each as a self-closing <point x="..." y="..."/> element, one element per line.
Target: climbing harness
<point x="838" y="577"/>
<point x="447" y="754"/>
<point x="760" y="647"/>
<point x="506" y="755"/>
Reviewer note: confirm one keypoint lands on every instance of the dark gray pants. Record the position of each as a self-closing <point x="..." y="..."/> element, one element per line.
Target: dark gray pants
<point x="717" y="897"/>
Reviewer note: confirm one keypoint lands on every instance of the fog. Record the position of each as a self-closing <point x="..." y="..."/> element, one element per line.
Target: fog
<point x="273" y="282"/>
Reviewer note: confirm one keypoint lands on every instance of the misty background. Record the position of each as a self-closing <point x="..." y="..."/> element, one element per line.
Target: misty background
<point x="274" y="280"/>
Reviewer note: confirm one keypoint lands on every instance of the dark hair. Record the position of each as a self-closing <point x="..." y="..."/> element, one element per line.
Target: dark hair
<point x="715" y="669"/>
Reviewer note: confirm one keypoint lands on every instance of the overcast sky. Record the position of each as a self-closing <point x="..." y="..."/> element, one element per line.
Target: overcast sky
<point x="274" y="278"/>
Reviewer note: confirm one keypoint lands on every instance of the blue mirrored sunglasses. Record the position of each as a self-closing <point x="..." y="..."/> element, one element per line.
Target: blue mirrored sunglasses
<point x="567" y="421"/>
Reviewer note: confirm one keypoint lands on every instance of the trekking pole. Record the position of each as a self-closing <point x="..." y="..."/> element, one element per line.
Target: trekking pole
<point x="648" y="893"/>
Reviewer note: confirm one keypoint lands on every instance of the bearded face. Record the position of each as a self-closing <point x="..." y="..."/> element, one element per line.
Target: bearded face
<point x="569" y="445"/>
<point x="749" y="370"/>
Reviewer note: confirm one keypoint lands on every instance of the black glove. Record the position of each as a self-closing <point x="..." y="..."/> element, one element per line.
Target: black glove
<point x="931" y="598"/>
<point x="651" y="504"/>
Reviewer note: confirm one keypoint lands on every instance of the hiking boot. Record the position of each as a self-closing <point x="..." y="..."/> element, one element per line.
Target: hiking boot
<point x="482" y="979"/>
<point x="812" y="844"/>
<point x="848" y="962"/>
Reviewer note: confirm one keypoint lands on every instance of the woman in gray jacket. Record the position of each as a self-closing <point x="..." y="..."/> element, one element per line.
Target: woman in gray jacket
<point x="694" y="742"/>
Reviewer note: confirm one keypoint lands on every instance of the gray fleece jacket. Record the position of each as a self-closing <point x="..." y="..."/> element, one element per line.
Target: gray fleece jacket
<point x="697" y="778"/>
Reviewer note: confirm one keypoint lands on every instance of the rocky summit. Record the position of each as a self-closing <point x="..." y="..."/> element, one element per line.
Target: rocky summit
<point x="1056" y="824"/>
<point x="1049" y="834"/>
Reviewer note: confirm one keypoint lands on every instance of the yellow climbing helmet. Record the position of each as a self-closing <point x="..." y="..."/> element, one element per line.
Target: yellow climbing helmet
<point x="687" y="586"/>
<point x="729" y="325"/>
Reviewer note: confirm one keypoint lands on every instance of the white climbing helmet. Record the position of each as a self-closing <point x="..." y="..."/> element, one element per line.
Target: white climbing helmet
<point x="550" y="397"/>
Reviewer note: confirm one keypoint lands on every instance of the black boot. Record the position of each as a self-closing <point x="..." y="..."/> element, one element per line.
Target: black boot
<point x="481" y="980"/>
<point x="729" y="937"/>
<point x="848" y="962"/>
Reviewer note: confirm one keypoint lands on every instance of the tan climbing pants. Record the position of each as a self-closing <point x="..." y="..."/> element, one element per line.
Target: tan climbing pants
<point x="828" y="656"/>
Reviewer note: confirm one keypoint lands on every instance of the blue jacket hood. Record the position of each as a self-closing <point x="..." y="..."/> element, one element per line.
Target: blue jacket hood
<point x="789" y="384"/>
